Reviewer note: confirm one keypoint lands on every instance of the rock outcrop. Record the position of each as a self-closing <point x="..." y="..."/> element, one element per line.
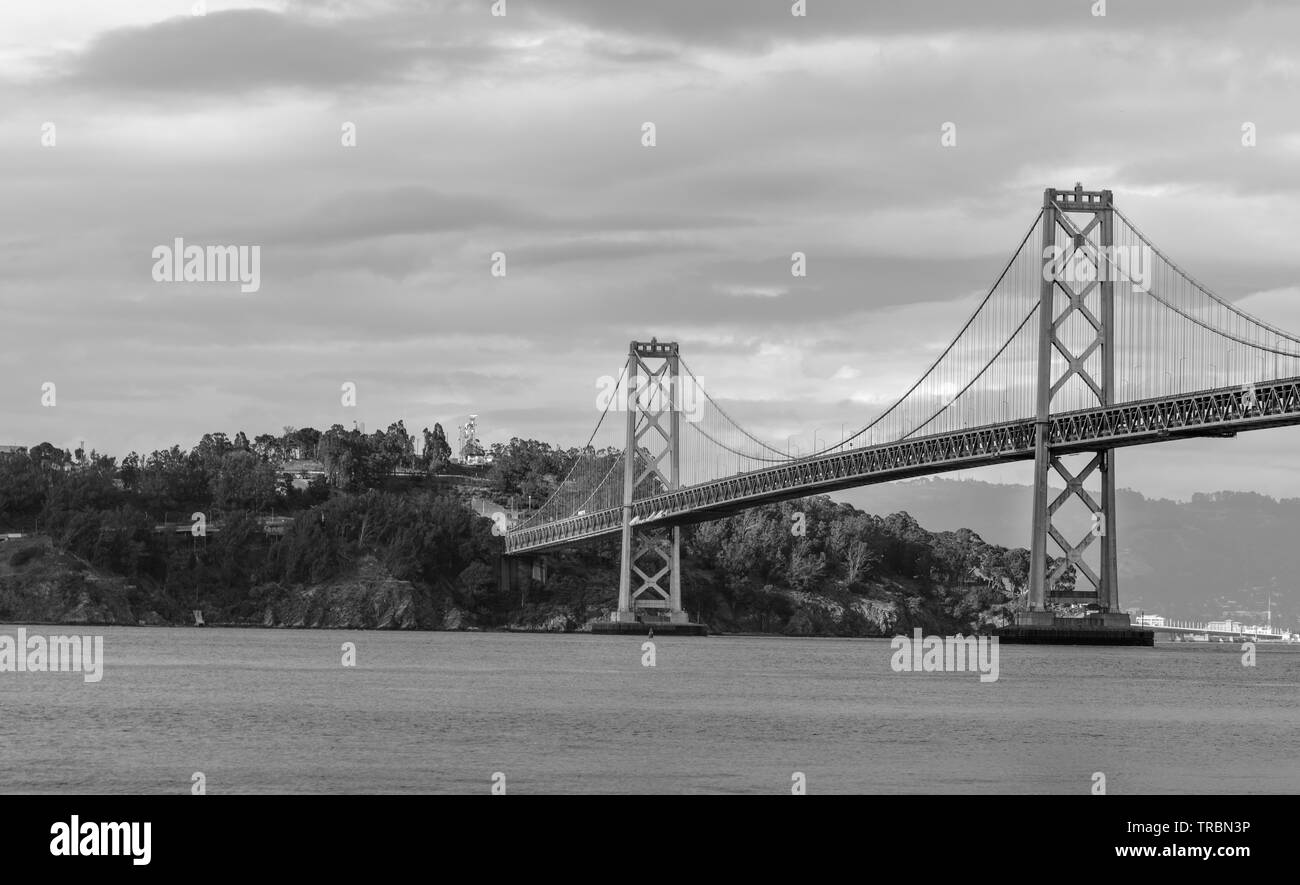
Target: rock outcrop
<point x="369" y="598"/>
<point x="39" y="584"/>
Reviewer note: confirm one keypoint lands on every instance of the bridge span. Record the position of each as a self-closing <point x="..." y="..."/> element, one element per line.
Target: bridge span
<point x="1090" y="340"/>
<point x="1217" y="413"/>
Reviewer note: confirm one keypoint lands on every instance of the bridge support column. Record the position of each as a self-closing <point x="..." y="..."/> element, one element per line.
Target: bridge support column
<point x="650" y="559"/>
<point x="1080" y="335"/>
<point x="1101" y="509"/>
<point x="508" y="582"/>
<point x="519" y="573"/>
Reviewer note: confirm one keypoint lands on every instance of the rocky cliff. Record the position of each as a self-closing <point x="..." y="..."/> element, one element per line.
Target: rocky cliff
<point x="39" y="584"/>
<point x="368" y="598"/>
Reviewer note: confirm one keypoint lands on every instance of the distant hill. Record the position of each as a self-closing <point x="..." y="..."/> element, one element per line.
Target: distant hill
<point x="1220" y="553"/>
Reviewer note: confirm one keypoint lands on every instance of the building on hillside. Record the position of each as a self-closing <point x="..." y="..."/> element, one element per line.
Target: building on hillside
<point x="468" y="448"/>
<point x="302" y="471"/>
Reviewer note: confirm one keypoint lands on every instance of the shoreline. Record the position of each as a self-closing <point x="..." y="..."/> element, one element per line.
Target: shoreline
<point x="82" y="625"/>
<point x="712" y="634"/>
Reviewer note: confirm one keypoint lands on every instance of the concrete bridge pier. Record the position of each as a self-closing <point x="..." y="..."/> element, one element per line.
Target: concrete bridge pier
<point x="518" y="575"/>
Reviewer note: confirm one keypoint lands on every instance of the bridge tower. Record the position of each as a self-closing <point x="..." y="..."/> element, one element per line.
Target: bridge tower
<point x="651" y="558"/>
<point x="1089" y="358"/>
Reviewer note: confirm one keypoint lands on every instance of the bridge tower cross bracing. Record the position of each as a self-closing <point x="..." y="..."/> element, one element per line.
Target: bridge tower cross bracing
<point x="651" y="557"/>
<point x="1058" y="208"/>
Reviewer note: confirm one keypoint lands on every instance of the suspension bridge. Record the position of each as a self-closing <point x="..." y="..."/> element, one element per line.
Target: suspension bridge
<point x="1091" y="339"/>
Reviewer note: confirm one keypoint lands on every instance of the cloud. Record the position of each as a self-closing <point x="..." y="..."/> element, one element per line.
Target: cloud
<point x="758" y="26"/>
<point x="238" y="51"/>
<point x="522" y="134"/>
<point x="399" y="210"/>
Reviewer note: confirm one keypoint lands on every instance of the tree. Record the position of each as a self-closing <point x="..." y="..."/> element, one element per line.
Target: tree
<point x="129" y="472"/>
<point x="522" y="467"/>
<point x="234" y="555"/>
<point x="172" y="480"/>
<point x="48" y="457"/>
<point x="806" y="568"/>
<point x="437" y="451"/>
<point x="121" y="544"/>
<point x="78" y="492"/>
<point x="243" y="482"/>
<point x="105" y="464"/>
<point x="318" y="490"/>
<point x="305" y="440"/>
<point x="22" y="487"/>
<point x="268" y="448"/>
<point x="849" y="541"/>
<point x="211" y="449"/>
<point x="386" y="451"/>
<point x="860" y="561"/>
<point x="343" y="453"/>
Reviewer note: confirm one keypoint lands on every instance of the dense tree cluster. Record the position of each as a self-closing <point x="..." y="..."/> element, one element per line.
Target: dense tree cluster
<point x="531" y="468"/>
<point x="217" y="474"/>
<point x="122" y="518"/>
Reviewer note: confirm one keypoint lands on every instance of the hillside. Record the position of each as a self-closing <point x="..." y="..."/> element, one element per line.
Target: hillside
<point x="373" y="537"/>
<point x="374" y="566"/>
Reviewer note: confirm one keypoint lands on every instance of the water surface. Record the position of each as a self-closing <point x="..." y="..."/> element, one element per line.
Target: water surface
<point x="262" y="711"/>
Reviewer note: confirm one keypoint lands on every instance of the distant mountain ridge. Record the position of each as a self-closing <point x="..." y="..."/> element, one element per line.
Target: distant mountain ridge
<point x="1219" y="553"/>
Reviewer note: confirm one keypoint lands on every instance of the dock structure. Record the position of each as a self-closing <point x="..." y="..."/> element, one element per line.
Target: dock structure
<point x="1100" y="628"/>
<point x="642" y="628"/>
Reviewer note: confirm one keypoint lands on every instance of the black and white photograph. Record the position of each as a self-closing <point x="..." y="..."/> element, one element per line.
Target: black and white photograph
<point x="404" y="401"/>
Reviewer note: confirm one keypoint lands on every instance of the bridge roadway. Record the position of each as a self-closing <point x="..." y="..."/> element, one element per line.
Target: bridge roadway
<point x="1252" y="634"/>
<point x="1223" y="412"/>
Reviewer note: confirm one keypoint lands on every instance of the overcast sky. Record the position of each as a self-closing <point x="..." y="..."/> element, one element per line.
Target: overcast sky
<point x="523" y="134"/>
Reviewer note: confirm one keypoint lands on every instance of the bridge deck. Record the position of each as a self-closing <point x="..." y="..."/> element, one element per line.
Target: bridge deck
<point x="1217" y="412"/>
